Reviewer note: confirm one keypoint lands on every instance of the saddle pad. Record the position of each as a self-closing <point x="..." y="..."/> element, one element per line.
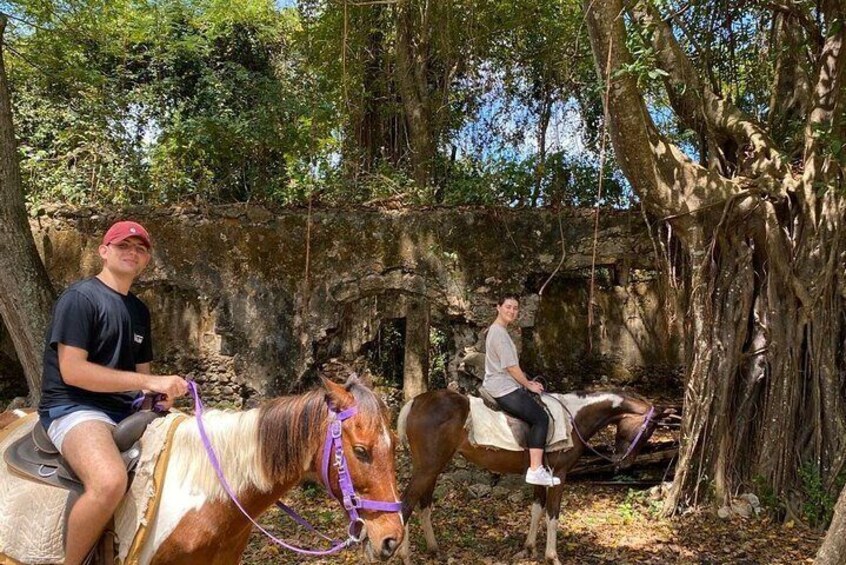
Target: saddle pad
<point x="145" y="492"/>
<point x="498" y="430"/>
<point x="31" y="513"/>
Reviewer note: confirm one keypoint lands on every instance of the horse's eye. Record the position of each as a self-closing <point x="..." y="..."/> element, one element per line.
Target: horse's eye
<point x="361" y="453"/>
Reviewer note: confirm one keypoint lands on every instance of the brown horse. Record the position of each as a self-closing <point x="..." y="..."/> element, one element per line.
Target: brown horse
<point x="434" y="426"/>
<point x="265" y="452"/>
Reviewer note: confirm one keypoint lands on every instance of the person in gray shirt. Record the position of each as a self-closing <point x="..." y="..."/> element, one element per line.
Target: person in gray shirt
<point x="505" y="381"/>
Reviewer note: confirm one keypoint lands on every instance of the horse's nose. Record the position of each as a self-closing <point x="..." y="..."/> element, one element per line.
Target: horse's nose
<point x="389" y="545"/>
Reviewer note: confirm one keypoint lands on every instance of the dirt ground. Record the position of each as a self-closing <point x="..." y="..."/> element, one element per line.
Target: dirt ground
<point x="599" y="525"/>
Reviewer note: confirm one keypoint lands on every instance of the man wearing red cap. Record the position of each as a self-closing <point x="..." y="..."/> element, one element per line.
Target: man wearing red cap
<point x="96" y="358"/>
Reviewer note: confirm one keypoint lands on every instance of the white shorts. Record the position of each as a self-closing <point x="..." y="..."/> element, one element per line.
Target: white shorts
<point x="61" y="426"/>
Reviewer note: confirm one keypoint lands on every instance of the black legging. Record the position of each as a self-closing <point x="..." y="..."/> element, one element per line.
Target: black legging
<point x="520" y="404"/>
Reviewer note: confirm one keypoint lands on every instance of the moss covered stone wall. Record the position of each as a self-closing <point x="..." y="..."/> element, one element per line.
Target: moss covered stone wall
<point x="252" y="301"/>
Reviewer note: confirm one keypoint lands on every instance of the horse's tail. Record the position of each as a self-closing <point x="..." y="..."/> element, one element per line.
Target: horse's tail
<point x="401" y="422"/>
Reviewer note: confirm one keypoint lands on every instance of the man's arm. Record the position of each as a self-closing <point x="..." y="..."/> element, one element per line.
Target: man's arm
<point x="78" y="371"/>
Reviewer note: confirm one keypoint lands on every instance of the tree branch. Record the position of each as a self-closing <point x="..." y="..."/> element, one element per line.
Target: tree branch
<point x="699" y="107"/>
<point x="793" y="10"/>
<point x="827" y="105"/>
<point x="791" y="87"/>
<point x="667" y="181"/>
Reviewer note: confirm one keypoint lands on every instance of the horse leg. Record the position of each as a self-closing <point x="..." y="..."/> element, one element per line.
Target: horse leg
<point x="420" y="491"/>
<point x="538" y="504"/>
<point x="428" y="460"/>
<point x="553" y="509"/>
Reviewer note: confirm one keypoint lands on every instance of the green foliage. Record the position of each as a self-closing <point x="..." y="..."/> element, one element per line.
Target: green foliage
<point x="561" y="180"/>
<point x="639" y="505"/>
<point x="818" y="501"/>
<point x="130" y="102"/>
<point x="767" y="496"/>
<point x="127" y="102"/>
<point x="312" y="490"/>
<point x="134" y="102"/>
<point x="386" y="355"/>
<point x="438" y="357"/>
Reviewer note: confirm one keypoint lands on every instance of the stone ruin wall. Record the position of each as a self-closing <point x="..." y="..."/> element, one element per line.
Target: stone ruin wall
<point x="251" y="302"/>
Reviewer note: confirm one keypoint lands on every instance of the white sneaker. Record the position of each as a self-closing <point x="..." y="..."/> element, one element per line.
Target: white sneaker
<point x="542" y="477"/>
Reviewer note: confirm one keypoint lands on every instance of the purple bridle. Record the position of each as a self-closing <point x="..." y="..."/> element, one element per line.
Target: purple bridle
<point x="350" y="500"/>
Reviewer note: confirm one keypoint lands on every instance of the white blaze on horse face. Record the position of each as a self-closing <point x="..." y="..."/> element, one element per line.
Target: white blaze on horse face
<point x="386" y="440"/>
<point x="386" y="443"/>
<point x="19" y="413"/>
<point x="576" y="402"/>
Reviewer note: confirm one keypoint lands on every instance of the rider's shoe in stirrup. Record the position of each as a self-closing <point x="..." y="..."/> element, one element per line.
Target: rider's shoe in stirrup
<point x="541" y="477"/>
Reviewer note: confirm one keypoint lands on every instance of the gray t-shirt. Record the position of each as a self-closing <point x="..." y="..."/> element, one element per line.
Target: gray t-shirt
<point x="500" y="353"/>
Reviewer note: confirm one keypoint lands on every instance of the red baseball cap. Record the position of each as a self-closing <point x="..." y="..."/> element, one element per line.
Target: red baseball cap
<point x="124" y="230"/>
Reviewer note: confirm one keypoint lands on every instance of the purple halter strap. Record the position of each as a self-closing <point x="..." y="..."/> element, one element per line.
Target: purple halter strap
<point x="351" y="501"/>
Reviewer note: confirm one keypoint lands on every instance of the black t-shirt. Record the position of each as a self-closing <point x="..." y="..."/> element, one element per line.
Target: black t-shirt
<point x="115" y="331"/>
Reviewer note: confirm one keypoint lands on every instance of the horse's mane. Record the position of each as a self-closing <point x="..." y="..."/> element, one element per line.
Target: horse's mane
<point x="233" y="436"/>
<point x="289" y="429"/>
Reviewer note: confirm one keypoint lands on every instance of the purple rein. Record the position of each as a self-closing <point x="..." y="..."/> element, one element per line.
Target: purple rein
<point x="646" y="421"/>
<point x="350" y="500"/>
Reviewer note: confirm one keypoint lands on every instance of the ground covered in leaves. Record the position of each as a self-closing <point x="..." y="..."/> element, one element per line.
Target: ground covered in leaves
<point x="599" y="524"/>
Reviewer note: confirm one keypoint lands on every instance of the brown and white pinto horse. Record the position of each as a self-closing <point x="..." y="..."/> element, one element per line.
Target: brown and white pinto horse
<point x="265" y="452"/>
<point x="434" y="426"/>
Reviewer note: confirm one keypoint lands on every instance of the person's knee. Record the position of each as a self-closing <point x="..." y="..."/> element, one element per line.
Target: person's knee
<point x="540" y="418"/>
<point x="108" y="486"/>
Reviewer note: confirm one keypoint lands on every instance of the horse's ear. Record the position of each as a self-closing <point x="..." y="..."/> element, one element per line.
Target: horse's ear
<point x="336" y="395"/>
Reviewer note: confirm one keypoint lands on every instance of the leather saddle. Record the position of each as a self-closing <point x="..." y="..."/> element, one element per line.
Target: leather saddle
<point x="34" y="455"/>
<point x="489" y="400"/>
<point x="519" y="428"/>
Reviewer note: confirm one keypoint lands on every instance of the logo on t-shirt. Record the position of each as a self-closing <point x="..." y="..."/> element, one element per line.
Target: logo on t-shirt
<point x="138" y="338"/>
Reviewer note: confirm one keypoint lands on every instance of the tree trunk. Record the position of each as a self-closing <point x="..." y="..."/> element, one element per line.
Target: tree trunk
<point x="413" y="85"/>
<point x="765" y="249"/>
<point x="833" y="550"/>
<point x="27" y="296"/>
<point x="376" y="125"/>
<point x="543" y="125"/>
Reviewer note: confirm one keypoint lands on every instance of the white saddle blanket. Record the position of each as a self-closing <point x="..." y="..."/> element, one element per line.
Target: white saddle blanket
<point x="31" y="513"/>
<point x="489" y="428"/>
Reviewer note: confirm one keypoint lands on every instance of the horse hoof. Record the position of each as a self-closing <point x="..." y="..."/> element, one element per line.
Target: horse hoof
<point x="553" y="559"/>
